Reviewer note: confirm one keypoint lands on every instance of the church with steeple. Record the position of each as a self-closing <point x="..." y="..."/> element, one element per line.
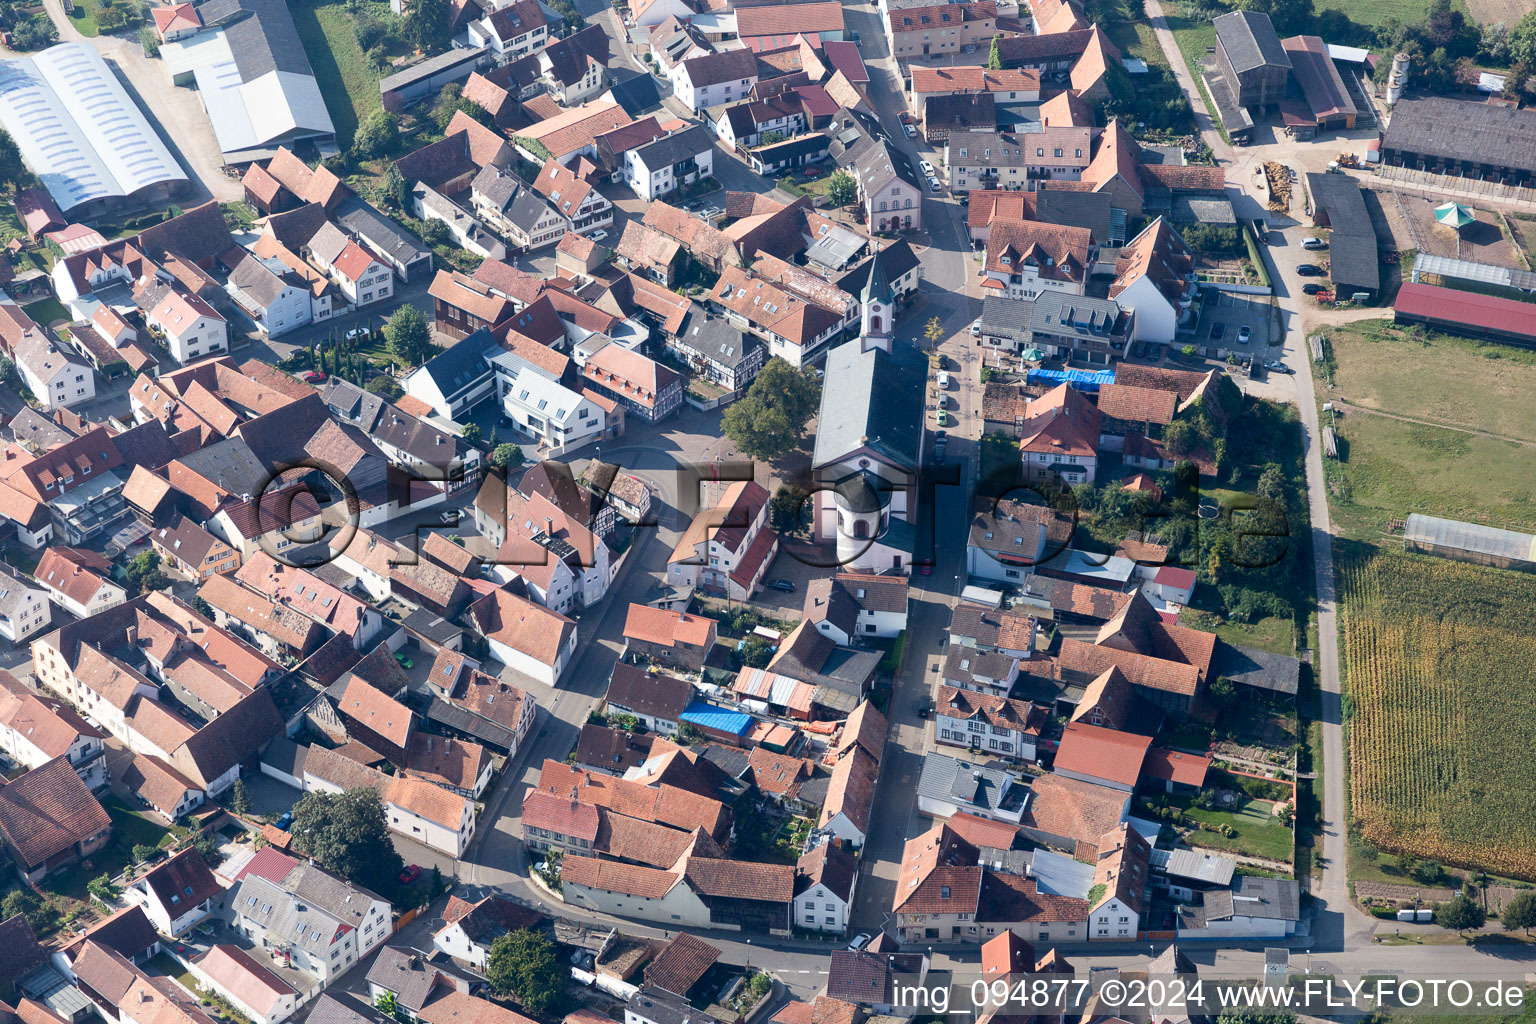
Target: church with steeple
<point x="869" y="438"/>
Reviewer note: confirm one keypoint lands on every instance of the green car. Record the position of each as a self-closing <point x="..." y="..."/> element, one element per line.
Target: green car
<point x="943" y="418"/>
<point x="404" y="661"/>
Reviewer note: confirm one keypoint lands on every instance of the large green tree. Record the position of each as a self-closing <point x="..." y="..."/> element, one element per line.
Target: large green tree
<point x="767" y="421"/>
<point x="842" y="190"/>
<point x="1520" y="912"/>
<point x="1460" y="913"/>
<point x="11" y="167"/>
<point x="525" y="965"/>
<point x="347" y="833"/>
<point x="410" y="340"/>
<point x="376" y="135"/>
<point x="426" y="23"/>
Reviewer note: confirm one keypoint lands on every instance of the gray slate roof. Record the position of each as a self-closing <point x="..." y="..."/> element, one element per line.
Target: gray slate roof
<point x="1249" y="40"/>
<point x="872" y="398"/>
<point x="1009" y="318"/>
<point x="714" y="338"/>
<point x="674" y="148"/>
<point x="959" y="782"/>
<point x="1454" y="129"/>
<point x="381" y="233"/>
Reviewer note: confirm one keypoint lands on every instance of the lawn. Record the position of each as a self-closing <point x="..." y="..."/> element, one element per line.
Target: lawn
<point x="1378" y="12"/>
<point x="1450" y="380"/>
<point x="347" y="79"/>
<point x="84" y="18"/>
<point x="1389" y="468"/>
<point x="47" y="311"/>
<point x="1270" y="633"/>
<point x="1257" y="833"/>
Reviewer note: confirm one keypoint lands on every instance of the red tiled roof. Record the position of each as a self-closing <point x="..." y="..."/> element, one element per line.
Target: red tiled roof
<point x="1100" y="753"/>
<point x="1177" y="766"/>
<point x="47" y="811"/>
<point x="659" y="626"/>
<point x="680" y="965"/>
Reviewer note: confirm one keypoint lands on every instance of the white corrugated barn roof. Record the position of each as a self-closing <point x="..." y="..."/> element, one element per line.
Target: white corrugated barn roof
<point x="77" y="128"/>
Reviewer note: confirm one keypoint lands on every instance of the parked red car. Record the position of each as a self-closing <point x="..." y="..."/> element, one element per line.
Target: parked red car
<point x="314" y="377"/>
<point x="410" y="874"/>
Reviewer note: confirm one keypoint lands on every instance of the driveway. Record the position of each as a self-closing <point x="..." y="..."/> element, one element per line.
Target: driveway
<point x="177" y="114"/>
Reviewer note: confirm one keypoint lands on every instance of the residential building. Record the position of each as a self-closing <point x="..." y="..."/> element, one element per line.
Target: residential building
<point x="1155" y="279"/>
<point x="981" y="159"/>
<point x="1009" y="538"/>
<point x="193" y="550"/>
<point x="78" y="581"/>
<point x="457" y="378"/>
<point x="850" y="606"/>
<point x="23" y="608"/>
<point x="1060" y="437"/>
<point x="644" y="387"/>
<point x="35" y="729"/>
<point x="701" y="892"/>
<point x="1254" y="908"/>
<point x="470" y="928"/>
<point x="56" y="376"/>
<point x="428" y="814"/>
<point x="550" y="413"/>
<point x="1120" y="882"/>
<point x="715" y="79"/>
<point x="948" y="786"/>
<point x="576" y="68"/>
<point x="575" y="198"/>
<point x="794" y="328"/>
<point x="515" y="30"/>
<point x="49" y="820"/>
<point x="249" y="986"/>
<point x="460" y="767"/>
<point x="431" y="205"/>
<point x="176" y="894"/>
<point x="410" y="979"/>
<point x="162" y="788"/>
<point x="985" y="672"/>
<point x="325" y="925"/>
<point x="943" y="28"/>
<point x="850" y="800"/>
<point x="656" y="700"/>
<point x="669" y="638"/>
<point x="483" y="708"/>
<point x="985" y="723"/>
<point x="276" y="298"/>
<point x="716" y="350"/>
<point x="525" y="636"/>
<point x="1104" y="757"/>
<point x="515" y="210"/>
<point x="189" y="327"/>
<point x="824" y="884"/>
<point x="727" y="548"/>
<point x="1027" y="258"/>
<point x="666" y="164"/>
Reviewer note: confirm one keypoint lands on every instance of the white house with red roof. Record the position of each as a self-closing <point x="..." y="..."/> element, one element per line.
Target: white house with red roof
<point x="176" y="21"/>
<point x="190" y="327"/>
<point x="249" y="986"/>
<point x="1060" y="437"/>
<point x="1155" y="277"/>
<point x="362" y="278"/>
<point x="728" y="547"/>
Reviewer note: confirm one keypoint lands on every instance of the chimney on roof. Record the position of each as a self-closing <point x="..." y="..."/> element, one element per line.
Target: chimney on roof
<point x="133" y="635"/>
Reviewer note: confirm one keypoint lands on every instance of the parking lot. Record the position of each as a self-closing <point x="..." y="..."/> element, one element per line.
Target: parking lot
<point x="1224" y="317"/>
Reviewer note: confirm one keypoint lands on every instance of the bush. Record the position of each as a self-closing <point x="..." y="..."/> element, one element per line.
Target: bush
<point x="143" y="852"/>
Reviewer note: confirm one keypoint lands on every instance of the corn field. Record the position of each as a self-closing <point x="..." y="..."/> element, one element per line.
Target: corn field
<point x="1439" y="660"/>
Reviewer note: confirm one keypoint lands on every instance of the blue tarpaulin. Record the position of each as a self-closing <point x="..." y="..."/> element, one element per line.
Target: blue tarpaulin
<point x="1083" y="380"/>
<point x="707" y="716"/>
